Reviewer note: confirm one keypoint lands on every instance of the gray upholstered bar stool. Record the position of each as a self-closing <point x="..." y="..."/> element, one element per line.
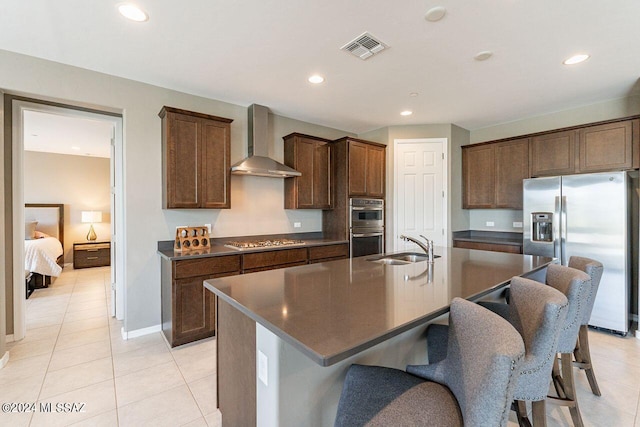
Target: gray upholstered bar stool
<point x="581" y="353"/>
<point x="538" y="312"/>
<point x="485" y="353"/>
<point x="575" y="285"/>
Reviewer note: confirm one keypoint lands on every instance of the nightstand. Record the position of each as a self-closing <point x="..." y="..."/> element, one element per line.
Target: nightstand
<point x="91" y="254"/>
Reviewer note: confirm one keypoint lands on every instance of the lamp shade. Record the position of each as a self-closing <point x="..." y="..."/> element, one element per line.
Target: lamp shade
<point x="91" y="216"/>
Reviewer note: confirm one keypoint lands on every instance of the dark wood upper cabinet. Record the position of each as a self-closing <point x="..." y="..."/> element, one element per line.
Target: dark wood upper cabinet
<point x="553" y="153"/>
<point x="196" y="160"/>
<point x="493" y="171"/>
<point x="478" y="177"/>
<point x="607" y="147"/>
<point x="366" y="169"/>
<point x="311" y="156"/>
<point x="493" y="174"/>
<point x="512" y="166"/>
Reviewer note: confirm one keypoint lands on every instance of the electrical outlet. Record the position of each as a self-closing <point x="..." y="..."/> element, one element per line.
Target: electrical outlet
<point x="297" y="224"/>
<point x="490" y="224"/>
<point x="263" y="368"/>
<point x="208" y="227"/>
<point x="517" y="224"/>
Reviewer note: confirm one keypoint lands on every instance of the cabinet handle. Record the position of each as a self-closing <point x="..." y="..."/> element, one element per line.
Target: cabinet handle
<point x="92" y="250"/>
<point x="92" y="257"/>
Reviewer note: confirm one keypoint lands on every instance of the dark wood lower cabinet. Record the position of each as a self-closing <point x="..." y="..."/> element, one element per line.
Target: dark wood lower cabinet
<point x="495" y="247"/>
<point x="188" y="309"/>
<point x="328" y="253"/>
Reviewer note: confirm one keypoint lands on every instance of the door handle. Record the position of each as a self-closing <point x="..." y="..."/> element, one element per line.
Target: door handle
<point x="367" y="234"/>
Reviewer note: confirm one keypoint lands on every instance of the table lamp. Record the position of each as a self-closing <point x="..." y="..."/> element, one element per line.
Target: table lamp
<point x="91" y="217"/>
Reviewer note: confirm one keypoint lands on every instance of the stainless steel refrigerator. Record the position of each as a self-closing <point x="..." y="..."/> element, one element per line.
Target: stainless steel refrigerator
<point x="585" y="215"/>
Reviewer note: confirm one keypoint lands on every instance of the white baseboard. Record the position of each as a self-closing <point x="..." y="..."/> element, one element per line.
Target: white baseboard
<point x="4" y="360"/>
<point x="9" y="338"/>
<point x="140" y="332"/>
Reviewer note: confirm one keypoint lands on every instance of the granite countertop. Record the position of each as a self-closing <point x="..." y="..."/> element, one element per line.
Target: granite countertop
<point x="217" y="245"/>
<point x="497" y="237"/>
<point x="332" y="310"/>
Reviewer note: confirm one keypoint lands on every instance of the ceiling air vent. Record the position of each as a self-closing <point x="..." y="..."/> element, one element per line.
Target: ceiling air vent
<point x="364" y="46"/>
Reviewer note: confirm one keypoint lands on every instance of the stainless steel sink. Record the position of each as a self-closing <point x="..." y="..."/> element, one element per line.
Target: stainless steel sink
<point x="402" y="258"/>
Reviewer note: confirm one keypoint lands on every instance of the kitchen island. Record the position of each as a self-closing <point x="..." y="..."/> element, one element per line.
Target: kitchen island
<point x="286" y="337"/>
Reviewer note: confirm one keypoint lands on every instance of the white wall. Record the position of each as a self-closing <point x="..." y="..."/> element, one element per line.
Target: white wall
<point x="146" y="223"/>
<point x="81" y="183"/>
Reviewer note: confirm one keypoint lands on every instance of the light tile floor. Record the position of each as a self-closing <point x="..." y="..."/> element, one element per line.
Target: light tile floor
<point x="74" y="353"/>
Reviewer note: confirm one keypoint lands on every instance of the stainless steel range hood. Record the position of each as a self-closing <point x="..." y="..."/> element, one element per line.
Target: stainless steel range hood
<point x="258" y="163"/>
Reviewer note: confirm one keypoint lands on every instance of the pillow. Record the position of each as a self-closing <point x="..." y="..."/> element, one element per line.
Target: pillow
<point x="30" y="230"/>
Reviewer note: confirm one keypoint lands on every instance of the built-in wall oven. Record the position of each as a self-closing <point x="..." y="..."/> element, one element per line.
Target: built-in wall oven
<point x="366" y="227"/>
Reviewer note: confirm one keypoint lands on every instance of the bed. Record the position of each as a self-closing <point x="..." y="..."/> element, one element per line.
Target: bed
<point x="43" y="247"/>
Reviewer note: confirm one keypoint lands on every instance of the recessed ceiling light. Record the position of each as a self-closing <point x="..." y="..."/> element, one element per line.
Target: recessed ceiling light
<point x="413" y="94"/>
<point x="483" y="56"/>
<point x="406" y="113"/>
<point x="576" y="59"/>
<point x="435" y="14"/>
<point x="316" y="79"/>
<point x="132" y="12"/>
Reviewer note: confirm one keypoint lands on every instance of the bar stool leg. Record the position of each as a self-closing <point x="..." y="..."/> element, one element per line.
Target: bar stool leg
<point x="583" y="359"/>
<point x="570" y="389"/>
<point x="539" y="413"/>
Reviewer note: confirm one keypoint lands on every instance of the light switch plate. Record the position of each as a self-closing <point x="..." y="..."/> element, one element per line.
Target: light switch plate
<point x="490" y="224"/>
<point x="263" y="368"/>
<point x="208" y="227"/>
<point x="297" y="224"/>
<point x="517" y="224"/>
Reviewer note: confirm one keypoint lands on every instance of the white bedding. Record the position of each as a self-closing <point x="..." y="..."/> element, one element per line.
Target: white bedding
<point x="40" y="256"/>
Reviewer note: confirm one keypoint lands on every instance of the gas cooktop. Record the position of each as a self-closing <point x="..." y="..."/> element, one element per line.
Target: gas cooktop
<point x="256" y="244"/>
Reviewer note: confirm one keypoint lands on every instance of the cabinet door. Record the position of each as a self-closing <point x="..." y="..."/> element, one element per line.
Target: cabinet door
<point x="194" y="310"/>
<point x="322" y="198"/>
<point x="181" y="158"/>
<point x="553" y="154"/>
<point x="215" y="174"/>
<point x="606" y="147"/>
<point x="512" y="166"/>
<point x="478" y="170"/>
<point x="304" y="163"/>
<point x="375" y="171"/>
<point x="357" y="169"/>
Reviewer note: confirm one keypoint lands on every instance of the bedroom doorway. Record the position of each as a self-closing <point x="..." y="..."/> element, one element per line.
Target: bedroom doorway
<point x="81" y="198"/>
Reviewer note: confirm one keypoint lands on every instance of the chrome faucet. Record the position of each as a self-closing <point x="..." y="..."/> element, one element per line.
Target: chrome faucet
<point x="428" y="248"/>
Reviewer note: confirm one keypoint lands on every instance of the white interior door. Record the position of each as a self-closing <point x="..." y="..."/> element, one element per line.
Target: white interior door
<point x="420" y="190"/>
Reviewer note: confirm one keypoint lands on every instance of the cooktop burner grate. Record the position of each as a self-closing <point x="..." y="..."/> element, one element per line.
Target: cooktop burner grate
<point x="263" y="244"/>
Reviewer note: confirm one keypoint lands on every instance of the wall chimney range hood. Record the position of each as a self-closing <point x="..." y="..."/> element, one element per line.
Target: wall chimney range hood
<point x="258" y="163"/>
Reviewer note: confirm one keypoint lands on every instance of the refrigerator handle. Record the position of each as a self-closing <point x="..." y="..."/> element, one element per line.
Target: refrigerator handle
<point x="563" y="230"/>
<point x="557" y="228"/>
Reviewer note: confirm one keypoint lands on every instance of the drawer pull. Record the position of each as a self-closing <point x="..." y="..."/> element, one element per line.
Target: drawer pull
<point x="92" y="257"/>
<point x="92" y="250"/>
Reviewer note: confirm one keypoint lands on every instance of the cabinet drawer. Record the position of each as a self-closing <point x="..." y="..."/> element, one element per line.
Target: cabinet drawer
<point x="98" y="255"/>
<point x="329" y="251"/>
<point x="274" y="258"/>
<point x="206" y="266"/>
<point x="92" y="259"/>
<point x="495" y="247"/>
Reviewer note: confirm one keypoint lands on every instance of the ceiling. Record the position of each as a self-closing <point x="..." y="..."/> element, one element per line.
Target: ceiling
<point x="55" y="133"/>
<point x="246" y="51"/>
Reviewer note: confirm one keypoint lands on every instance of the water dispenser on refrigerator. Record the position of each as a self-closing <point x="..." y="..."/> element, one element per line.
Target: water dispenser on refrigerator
<point x="542" y="223"/>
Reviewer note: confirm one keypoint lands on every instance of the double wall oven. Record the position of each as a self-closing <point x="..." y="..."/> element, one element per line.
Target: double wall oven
<point x="366" y="227"/>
